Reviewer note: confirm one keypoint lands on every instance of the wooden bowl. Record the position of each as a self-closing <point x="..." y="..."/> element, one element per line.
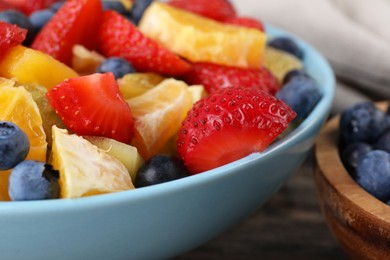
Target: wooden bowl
<point x="360" y="222"/>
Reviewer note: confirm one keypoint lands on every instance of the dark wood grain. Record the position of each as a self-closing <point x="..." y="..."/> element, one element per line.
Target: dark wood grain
<point x="289" y="226"/>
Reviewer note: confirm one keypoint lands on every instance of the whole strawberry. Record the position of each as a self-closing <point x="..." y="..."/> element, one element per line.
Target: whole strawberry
<point x="118" y="37"/>
<point x="219" y="10"/>
<point x="230" y="124"/>
<point x="214" y="77"/>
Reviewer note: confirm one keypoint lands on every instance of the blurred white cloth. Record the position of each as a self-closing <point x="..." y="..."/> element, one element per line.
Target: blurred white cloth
<point x="354" y="35"/>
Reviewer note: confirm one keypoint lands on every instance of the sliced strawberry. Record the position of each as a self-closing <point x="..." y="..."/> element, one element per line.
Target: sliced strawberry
<point x="119" y="37"/>
<point x="10" y="35"/>
<point x="4" y="6"/>
<point x="214" y="77"/>
<point x="219" y="10"/>
<point x="245" y="22"/>
<point x="76" y="22"/>
<point x="93" y="105"/>
<point x="29" y="6"/>
<point x="228" y="125"/>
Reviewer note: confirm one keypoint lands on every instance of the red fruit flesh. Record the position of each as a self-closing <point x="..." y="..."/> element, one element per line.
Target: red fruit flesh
<point x="230" y="124"/>
<point x="29" y="6"/>
<point x="93" y="105"/>
<point x="219" y="10"/>
<point x="119" y="37"/>
<point x="10" y="35"/>
<point x="245" y="22"/>
<point x="76" y="22"/>
<point x="214" y="77"/>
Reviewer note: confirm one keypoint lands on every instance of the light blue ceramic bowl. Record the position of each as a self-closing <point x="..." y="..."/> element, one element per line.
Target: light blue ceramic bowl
<point x="165" y="220"/>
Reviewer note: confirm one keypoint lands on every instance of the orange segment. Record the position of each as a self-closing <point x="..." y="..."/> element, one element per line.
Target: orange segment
<point x="6" y="82"/>
<point x="4" y="185"/>
<point x="201" y="39"/>
<point x="86" y="170"/>
<point x="28" y="66"/>
<point x="18" y="106"/>
<point x="158" y="115"/>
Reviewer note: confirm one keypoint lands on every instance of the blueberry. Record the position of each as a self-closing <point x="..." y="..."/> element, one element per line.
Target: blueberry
<point x="294" y="73"/>
<point x="353" y="154"/>
<point x="39" y="18"/>
<point x="116" y="6"/>
<point x="383" y="143"/>
<point x="118" y="66"/>
<point x="56" y="6"/>
<point x="373" y="174"/>
<point x="362" y="122"/>
<point x="160" y="169"/>
<point x="138" y="9"/>
<point x="14" y="145"/>
<point x="21" y="20"/>
<point x="301" y="94"/>
<point x="33" y="180"/>
<point x="288" y="45"/>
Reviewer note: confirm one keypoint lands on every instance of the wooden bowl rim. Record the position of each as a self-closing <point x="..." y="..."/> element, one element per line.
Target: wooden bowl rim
<point x="332" y="169"/>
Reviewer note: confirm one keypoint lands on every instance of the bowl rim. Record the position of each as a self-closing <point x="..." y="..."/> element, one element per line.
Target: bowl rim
<point x="331" y="168"/>
<point x="316" y="117"/>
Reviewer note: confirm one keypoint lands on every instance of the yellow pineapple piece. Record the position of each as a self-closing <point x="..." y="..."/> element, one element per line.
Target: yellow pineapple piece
<point x="128" y="4"/>
<point x="125" y="153"/>
<point x="158" y="114"/>
<point x="135" y="84"/>
<point x="48" y="114"/>
<point x="200" y="39"/>
<point x="85" y="169"/>
<point x="85" y="61"/>
<point x="28" y="66"/>
<point x="280" y="62"/>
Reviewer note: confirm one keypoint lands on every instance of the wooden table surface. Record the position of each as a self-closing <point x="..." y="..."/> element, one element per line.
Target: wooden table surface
<point x="289" y="226"/>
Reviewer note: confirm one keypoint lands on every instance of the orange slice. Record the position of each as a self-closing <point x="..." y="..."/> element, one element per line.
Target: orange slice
<point x="158" y="115"/>
<point x="4" y="82"/>
<point x="18" y="106"/>
<point x="28" y="66"/>
<point x="86" y="170"/>
<point x="201" y="39"/>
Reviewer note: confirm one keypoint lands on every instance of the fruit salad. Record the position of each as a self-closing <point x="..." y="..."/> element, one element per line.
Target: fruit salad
<point x="101" y="96"/>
